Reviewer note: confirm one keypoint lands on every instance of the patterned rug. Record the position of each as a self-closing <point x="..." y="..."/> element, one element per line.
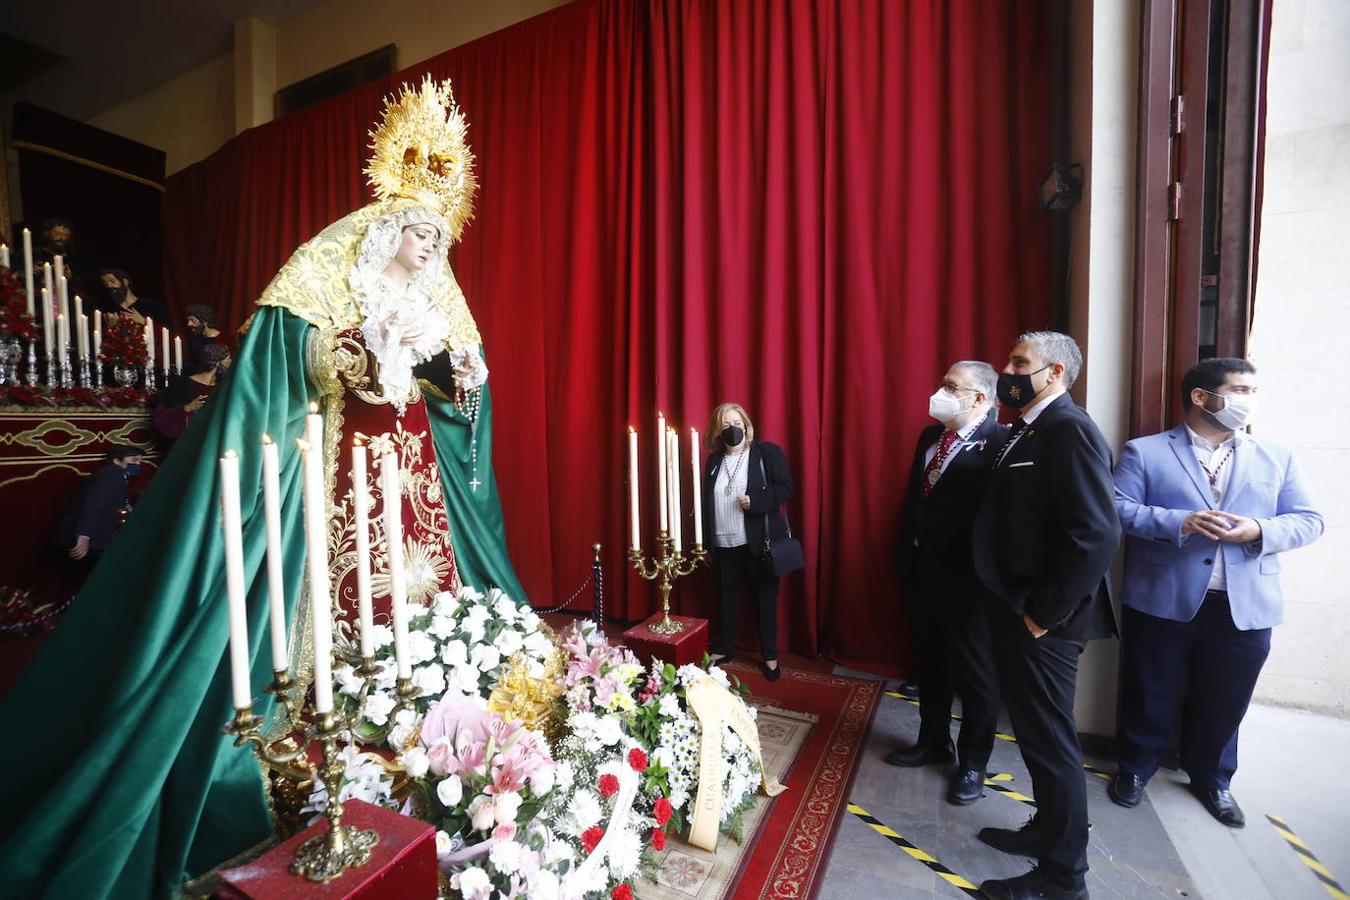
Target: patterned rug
<point x="812" y="726"/>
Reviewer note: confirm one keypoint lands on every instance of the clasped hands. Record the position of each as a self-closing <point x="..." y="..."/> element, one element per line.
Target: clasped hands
<point x="1221" y="526"/>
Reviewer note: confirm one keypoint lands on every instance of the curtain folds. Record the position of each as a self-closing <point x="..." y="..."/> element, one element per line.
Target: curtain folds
<point x="808" y="206"/>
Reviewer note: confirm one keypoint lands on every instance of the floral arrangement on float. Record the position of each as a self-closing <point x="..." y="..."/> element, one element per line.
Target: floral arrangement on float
<point x="16" y="323"/>
<point x="549" y="764"/>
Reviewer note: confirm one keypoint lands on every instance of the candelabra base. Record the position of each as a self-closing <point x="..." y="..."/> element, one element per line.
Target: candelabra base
<point x="326" y="856"/>
<point x="667" y="626"/>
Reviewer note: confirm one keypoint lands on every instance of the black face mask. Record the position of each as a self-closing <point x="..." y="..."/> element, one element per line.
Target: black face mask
<point x="1017" y="390"/>
<point x="732" y="435"/>
<point x="58" y="246"/>
<point x="118" y="293"/>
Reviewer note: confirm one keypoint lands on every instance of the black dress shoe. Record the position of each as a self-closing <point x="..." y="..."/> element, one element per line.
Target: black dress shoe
<point x="1221" y="805"/>
<point x="966" y="787"/>
<point x="1126" y="789"/>
<point x="923" y="755"/>
<point x="773" y="674"/>
<point x="1024" y="841"/>
<point x="1034" y="885"/>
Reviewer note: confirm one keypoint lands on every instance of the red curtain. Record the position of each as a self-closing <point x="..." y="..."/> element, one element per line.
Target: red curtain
<point x="808" y="206"/>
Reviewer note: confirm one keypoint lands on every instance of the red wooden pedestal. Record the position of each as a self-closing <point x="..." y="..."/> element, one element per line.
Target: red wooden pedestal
<point x="402" y="865"/>
<point x="687" y="646"/>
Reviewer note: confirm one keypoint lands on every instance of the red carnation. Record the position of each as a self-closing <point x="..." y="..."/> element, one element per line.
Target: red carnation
<point x="622" y="892"/>
<point x="637" y="759"/>
<point x="609" y="785"/>
<point x="590" y="838"/>
<point x="662" y="812"/>
<point x="658" y="839"/>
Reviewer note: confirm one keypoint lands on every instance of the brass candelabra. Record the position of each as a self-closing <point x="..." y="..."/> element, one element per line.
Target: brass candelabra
<point x="325" y="856"/>
<point x="669" y="565"/>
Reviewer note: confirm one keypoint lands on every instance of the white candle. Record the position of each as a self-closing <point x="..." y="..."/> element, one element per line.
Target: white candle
<point x="47" y="281"/>
<point x="149" y="343"/>
<point x="676" y="512"/>
<point x="28" y="267"/>
<point x="98" y="333"/>
<point x="316" y="539"/>
<point x="79" y="307"/>
<point x="62" y="291"/>
<point x="62" y="338"/>
<point x="276" y="587"/>
<point x="46" y="323"/>
<point x="633" y="516"/>
<point x="393" y="532"/>
<point x="164" y="348"/>
<point x="361" y="504"/>
<point x="82" y="336"/>
<point x="696" y="481"/>
<point x="4" y="256"/>
<point x="178" y="354"/>
<point x="661" y="474"/>
<point x="234" y="579"/>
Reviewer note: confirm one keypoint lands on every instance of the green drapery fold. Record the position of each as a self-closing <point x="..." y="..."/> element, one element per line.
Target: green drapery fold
<point x="117" y="779"/>
<point x="476" y="527"/>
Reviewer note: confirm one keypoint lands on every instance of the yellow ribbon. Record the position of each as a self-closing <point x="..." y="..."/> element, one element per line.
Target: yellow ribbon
<point x="715" y="706"/>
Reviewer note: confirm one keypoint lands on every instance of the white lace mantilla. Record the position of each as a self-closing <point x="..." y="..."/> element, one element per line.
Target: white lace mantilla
<point x="390" y="314"/>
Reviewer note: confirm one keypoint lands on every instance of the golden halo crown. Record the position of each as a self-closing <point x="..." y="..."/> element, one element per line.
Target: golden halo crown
<point x="419" y="152"/>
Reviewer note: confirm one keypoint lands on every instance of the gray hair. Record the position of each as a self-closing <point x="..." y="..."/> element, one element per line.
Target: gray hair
<point x="1053" y="347"/>
<point x="984" y="377"/>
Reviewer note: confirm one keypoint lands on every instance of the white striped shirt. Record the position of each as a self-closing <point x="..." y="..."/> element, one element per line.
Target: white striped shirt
<point x="728" y="517"/>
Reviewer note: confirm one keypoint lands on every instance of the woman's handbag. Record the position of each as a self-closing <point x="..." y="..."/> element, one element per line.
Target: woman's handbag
<point x="781" y="556"/>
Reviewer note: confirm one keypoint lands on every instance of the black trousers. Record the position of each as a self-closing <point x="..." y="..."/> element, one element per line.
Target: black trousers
<point x="738" y="569"/>
<point x="1219" y="665"/>
<point x="1038" y="678"/>
<point x="954" y="652"/>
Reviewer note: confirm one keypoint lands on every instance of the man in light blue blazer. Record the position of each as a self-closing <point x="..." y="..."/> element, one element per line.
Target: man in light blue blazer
<point x="1207" y="510"/>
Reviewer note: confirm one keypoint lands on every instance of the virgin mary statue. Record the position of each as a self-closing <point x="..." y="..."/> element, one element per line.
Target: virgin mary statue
<point x="117" y="779"/>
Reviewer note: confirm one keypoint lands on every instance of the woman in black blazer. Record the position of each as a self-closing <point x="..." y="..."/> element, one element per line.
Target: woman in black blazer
<point x="745" y="484"/>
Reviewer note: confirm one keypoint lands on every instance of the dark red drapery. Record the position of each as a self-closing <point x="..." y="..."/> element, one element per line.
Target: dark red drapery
<point x="809" y="206"/>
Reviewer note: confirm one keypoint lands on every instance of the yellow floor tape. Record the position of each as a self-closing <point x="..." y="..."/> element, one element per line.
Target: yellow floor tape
<point x="1324" y="876"/>
<point x="914" y="852"/>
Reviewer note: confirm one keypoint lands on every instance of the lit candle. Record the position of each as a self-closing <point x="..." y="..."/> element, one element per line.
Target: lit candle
<point x="661" y="474"/>
<point x="178" y="354"/>
<point x="62" y="338"/>
<point x="98" y="333"/>
<point x="82" y="336"/>
<point x="696" y="494"/>
<point x="393" y="532"/>
<point x="676" y="513"/>
<point x="62" y="291"/>
<point x="316" y="539"/>
<point x="149" y="343"/>
<point x="164" y="348"/>
<point x="234" y="579"/>
<point x="46" y="323"/>
<point x="361" y="504"/>
<point x="47" y="281"/>
<point x="4" y="256"/>
<point x="633" y="488"/>
<point x="28" y="267"/>
<point x="276" y="587"/>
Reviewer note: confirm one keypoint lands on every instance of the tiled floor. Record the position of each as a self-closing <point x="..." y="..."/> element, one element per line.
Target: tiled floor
<point x="1167" y="847"/>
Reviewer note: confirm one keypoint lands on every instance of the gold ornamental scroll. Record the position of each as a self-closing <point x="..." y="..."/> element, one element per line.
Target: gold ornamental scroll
<point x="716" y="706"/>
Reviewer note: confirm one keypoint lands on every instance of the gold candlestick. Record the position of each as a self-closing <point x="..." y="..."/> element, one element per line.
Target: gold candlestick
<point x="668" y="566"/>
<point x="325" y="856"/>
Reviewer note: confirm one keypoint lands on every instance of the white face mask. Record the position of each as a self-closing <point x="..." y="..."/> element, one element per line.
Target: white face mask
<point x="945" y="406"/>
<point x="1239" y="410"/>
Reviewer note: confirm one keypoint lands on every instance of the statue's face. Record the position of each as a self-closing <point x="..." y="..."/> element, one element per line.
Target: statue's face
<point x="416" y="247"/>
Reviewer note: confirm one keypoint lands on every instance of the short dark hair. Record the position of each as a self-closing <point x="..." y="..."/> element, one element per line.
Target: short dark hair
<point x="57" y="221"/>
<point x="1210" y="375"/>
<point x="212" y="355"/>
<point x="201" y="311"/>
<point x="121" y="451"/>
<point x="119" y="274"/>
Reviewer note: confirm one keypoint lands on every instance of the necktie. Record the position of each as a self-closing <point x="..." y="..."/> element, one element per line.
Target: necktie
<point x="1012" y="436"/>
<point x="933" y="471"/>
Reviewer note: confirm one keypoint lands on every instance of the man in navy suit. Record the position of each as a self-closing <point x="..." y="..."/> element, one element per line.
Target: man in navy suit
<point x="1044" y="537"/>
<point x="1207" y="510"/>
<point x="948" y="628"/>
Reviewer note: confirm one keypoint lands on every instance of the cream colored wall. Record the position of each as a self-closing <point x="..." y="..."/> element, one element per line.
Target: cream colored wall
<point x="1104" y="53"/>
<point x="1302" y="319"/>
<point x="191" y="116"/>
<point x="188" y="118"/>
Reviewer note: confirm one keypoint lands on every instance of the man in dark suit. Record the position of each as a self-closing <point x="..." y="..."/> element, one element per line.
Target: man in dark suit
<point x="949" y="630"/>
<point x="1044" y="538"/>
<point x="88" y="524"/>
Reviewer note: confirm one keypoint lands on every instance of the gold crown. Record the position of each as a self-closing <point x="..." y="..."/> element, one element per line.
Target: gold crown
<point x="419" y="152"/>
